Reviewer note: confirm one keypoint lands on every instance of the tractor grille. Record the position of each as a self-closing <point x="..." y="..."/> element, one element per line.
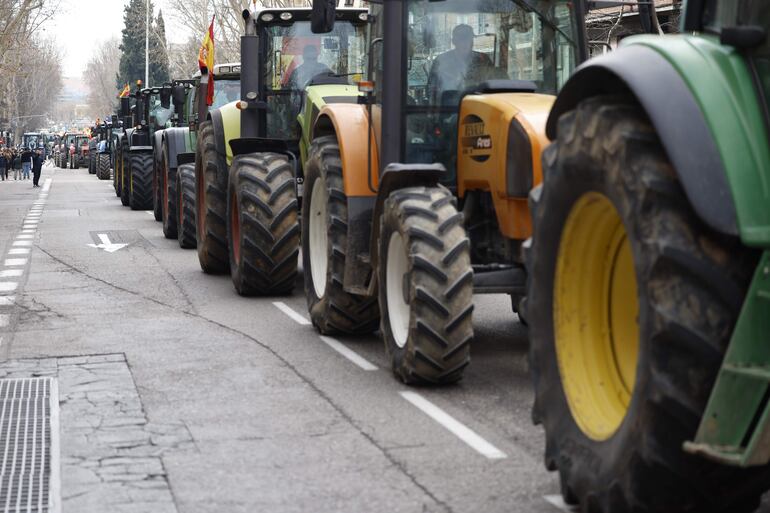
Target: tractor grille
<point x="26" y="410"/>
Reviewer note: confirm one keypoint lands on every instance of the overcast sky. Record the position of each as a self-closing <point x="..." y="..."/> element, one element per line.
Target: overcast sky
<point x="81" y="24"/>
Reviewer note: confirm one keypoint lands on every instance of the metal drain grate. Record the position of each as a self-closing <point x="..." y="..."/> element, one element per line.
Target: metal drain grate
<point x="28" y="442"/>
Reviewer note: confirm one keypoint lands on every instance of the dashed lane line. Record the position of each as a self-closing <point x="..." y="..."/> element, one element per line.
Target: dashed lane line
<point x="454" y="426"/>
<point x="15" y="262"/>
<point x="558" y="503"/>
<point x="8" y="286"/>
<point x="5" y="320"/>
<point x="25" y="236"/>
<point x="7" y="300"/>
<point x="22" y="243"/>
<point x="299" y="319"/>
<point x="19" y="251"/>
<point x="348" y="353"/>
<point x="11" y="273"/>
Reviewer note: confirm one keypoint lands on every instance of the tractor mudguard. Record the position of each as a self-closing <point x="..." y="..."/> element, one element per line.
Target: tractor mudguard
<point x="227" y="126"/>
<point x="315" y="97"/>
<point x="701" y="100"/>
<point x="394" y="177"/>
<point x="176" y="139"/>
<point x="157" y="137"/>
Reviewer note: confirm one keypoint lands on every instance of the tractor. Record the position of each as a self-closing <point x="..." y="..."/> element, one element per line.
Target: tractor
<point x="416" y="196"/>
<point x="135" y="146"/>
<point x="249" y="183"/>
<point x="78" y="156"/>
<point x="92" y="144"/>
<point x="177" y="179"/>
<point x="649" y="270"/>
<point x="63" y="155"/>
<point x="101" y="152"/>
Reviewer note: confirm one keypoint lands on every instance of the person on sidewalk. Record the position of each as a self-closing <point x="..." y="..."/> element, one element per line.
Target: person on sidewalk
<point x="37" y="167"/>
<point x="16" y="160"/>
<point x="3" y="166"/>
<point x="26" y="163"/>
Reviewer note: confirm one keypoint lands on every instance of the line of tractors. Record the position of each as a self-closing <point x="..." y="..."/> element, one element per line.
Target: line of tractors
<point x="418" y="152"/>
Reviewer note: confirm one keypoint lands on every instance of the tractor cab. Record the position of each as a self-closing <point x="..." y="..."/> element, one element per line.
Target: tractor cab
<point x="32" y="141"/>
<point x="158" y="108"/>
<point x="227" y="88"/>
<point x="294" y="71"/>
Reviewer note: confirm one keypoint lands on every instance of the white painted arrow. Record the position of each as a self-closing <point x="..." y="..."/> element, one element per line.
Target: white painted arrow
<point x="106" y="245"/>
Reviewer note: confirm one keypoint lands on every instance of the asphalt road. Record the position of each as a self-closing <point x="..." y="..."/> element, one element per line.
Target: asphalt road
<point x="238" y="404"/>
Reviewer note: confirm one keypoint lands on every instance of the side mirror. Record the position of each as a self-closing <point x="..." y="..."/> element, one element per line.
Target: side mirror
<point x="125" y="107"/>
<point x="178" y="94"/>
<point x="323" y="16"/>
<point x="165" y="98"/>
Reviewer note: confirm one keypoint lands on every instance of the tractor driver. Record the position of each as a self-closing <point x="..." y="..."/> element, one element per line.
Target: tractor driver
<point x="309" y="69"/>
<point x="460" y="68"/>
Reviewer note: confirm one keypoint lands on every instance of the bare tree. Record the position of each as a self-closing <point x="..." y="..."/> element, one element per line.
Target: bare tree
<point x="100" y="75"/>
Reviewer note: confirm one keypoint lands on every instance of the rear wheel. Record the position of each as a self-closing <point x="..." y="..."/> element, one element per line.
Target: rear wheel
<point x="185" y="190"/>
<point x="91" y="165"/>
<point x="116" y="172"/>
<point x="141" y="181"/>
<point x="263" y="225"/>
<point x="125" y="187"/>
<point x="324" y="239"/>
<point x="631" y="304"/>
<point x="168" y="199"/>
<point x="211" y="203"/>
<point x="103" y="166"/>
<point x="425" y="283"/>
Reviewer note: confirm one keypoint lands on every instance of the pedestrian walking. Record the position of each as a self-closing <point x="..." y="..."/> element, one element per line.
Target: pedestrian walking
<point x="26" y="163"/>
<point x="16" y="159"/>
<point x="3" y="166"/>
<point x="37" y="167"/>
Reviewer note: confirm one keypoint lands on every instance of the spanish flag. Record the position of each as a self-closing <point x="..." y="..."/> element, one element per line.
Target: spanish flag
<point x="206" y="60"/>
<point x="125" y="92"/>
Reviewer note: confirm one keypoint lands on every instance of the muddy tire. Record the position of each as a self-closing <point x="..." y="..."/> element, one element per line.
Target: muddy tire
<point x="425" y="286"/>
<point x="623" y="366"/>
<point x="332" y="309"/>
<point x="263" y="224"/>
<point x="211" y="203"/>
<point x="168" y="197"/>
<point x="185" y="192"/>
<point x="103" y="166"/>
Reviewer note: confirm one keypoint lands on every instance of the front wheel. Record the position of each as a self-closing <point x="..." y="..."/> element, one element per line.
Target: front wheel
<point x="425" y="282"/>
<point x="324" y="240"/>
<point x="103" y="166"/>
<point x="168" y="197"/>
<point x="262" y="224"/>
<point x="185" y="192"/>
<point x="141" y="181"/>
<point x="631" y="303"/>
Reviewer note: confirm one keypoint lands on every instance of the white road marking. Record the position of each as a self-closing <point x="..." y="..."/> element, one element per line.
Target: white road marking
<point x="15" y="262"/>
<point x="348" y="353"/>
<point x="8" y="286"/>
<point x="22" y="243"/>
<point x="291" y="313"/>
<point x="11" y="273"/>
<point x="22" y="237"/>
<point x="5" y="319"/>
<point x="7" y="300"/>
<point x="106" y="245"/>
<point x="149" y="212"/>
<point x="28" y="231"/>
<point x="46" y="184"/>
<point x="19" y="251"/>
<point x="454" y="426"/>
<point x="558" y="502"/>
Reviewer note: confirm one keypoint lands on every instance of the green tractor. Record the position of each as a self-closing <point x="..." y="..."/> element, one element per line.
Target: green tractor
<point x="177" y="178"/>
<point x="135" y="153"/>
<point x="249" y="165"/>
<point x="649" y="266"/>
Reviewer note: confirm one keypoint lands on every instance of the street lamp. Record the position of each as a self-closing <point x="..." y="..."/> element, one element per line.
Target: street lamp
<point x="147" y="45"/>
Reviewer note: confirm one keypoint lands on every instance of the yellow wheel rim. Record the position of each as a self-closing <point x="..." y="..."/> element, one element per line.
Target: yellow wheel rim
<point x="596" y="310"/>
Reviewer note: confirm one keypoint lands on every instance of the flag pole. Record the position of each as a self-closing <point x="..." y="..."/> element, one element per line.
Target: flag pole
<point x="147" y="46"/>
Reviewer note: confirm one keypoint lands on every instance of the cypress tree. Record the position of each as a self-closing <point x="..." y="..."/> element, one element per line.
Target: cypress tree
<point x="159" y="52"/>
<point x="132" y="46"/>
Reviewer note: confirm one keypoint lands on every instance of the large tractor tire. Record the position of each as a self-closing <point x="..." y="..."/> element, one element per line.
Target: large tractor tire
<point x="168" y="197"/>
<point x="140" y="178"/>
<point x="91" y="166"/>
<point x="631" y="303"/>
<point x="117" y="172"/>
<point x="211" y="202"/>
<point x="263" y="224"/>
<point x="324" y="236"/>
<point x="185" y="192"/>
<point x="157" y="192"/>
<point x="125" y="186"/>
<point x="425" y="286"/>
<point x="103" y="166"/>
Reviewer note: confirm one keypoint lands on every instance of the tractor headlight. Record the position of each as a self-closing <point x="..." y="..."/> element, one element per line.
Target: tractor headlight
<point x="267" y="17"/>
<point x="286" y="16"/>
<point x="518" y="167"/>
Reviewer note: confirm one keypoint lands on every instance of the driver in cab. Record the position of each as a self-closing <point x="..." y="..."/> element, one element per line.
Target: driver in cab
<point x="459" y="68"/>
<point x="309" y="69"/>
